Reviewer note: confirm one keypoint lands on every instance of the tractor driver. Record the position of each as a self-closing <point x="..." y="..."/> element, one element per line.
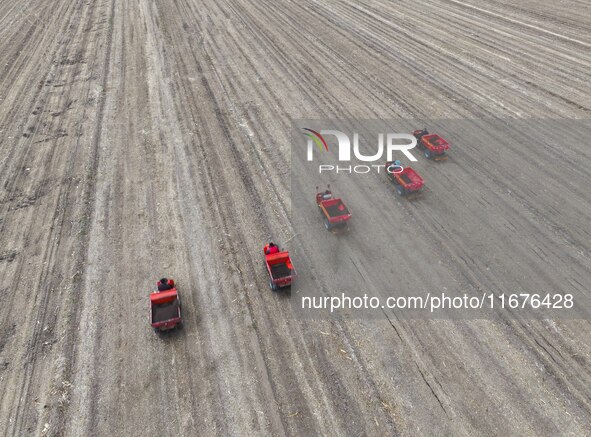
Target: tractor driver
<point x="271" y="248"/>
<point x="394" y="167"/>
<point x="164" y="284"/>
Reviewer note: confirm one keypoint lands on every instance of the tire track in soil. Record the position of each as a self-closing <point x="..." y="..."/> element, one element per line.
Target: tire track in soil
<point x="45" y="285"/>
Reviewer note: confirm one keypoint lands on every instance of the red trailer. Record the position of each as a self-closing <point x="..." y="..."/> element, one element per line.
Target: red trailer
<point x="408" y="182"/>
<point x="433" y="146"/>
<point x="333" y="210"/>
<point x="280" y="268"/>
<point x="165" y="309"/>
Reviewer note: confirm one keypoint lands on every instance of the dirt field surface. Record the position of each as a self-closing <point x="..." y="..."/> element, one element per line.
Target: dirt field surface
<point x="148" y="138"/>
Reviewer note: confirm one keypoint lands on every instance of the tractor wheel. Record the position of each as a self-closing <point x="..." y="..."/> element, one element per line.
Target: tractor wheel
<point x="400" y="190"/>
<point x="179" y="325"/>
<point x="273" y="286"/>
<point x="428" y="154"/>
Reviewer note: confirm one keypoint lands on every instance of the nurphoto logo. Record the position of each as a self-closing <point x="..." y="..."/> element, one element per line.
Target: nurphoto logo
<point x="389" y="142"/>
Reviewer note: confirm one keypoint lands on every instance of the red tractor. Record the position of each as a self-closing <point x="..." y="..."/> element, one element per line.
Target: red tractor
<point x="408" y="182"/>
<point x="279" y="266"/>
<point x="433" y="146"/>
<point x="334" y="212"/>
<point x="165" y="306"/>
